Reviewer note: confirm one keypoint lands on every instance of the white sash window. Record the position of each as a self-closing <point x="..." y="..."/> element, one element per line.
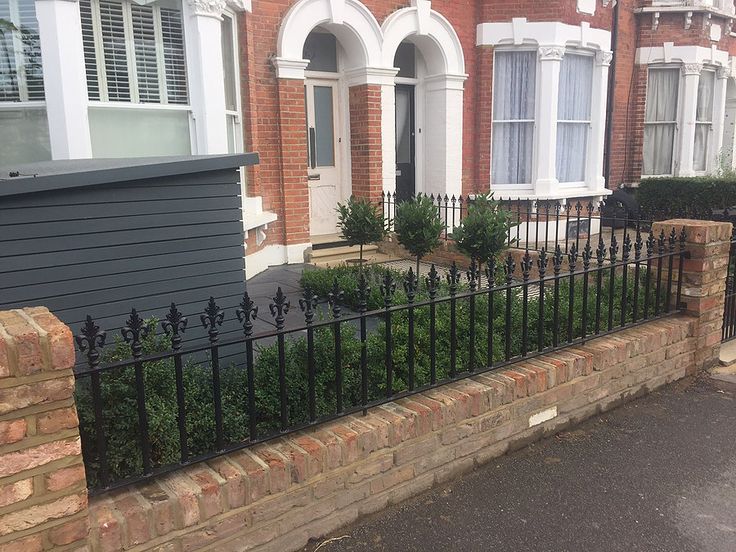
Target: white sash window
<point x="703" y="120"/>
<point x="660" y="120"/>
<point x="134" y="53"/>
<point x="23" y="119"/>
<point x="514" y="93"/>
<point x="574" y="117"/>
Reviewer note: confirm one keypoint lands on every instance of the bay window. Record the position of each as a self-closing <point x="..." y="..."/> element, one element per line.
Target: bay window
<point x="660" y="120"/>
<point x="136" y="77"/>
<point x="574" y="117"/>
<point x="514" y="100"/>
<point x="22" y="107"/>
<point x="703" y="119"/>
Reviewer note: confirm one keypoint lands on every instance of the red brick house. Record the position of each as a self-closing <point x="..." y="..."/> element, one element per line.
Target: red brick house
<point x="559" y="99"/>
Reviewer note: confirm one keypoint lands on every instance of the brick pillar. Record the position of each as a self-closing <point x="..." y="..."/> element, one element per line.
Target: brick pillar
<point x="704" y="282"/>
<point x="365" y="141"/>
<point x="43" y="490"/>
<point x="293" y="130"/>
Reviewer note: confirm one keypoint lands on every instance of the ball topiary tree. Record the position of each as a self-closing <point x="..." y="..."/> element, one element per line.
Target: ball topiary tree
<point x="482" y="234"/>
<point x="418" y="226"/>
<point x="360" y="223"/>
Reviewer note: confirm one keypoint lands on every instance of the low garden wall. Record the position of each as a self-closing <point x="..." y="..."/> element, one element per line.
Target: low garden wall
<point x="278" y="495"/>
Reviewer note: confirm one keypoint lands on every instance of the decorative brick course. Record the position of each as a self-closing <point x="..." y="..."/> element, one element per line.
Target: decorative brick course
<point x="43" y="490"/>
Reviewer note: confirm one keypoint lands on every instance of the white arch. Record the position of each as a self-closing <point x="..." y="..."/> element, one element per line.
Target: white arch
<point x="434" y="34"/>
<point x="349" y="20"/>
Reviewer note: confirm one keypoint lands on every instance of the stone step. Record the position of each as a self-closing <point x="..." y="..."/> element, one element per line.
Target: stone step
<point x="342" y="250"/>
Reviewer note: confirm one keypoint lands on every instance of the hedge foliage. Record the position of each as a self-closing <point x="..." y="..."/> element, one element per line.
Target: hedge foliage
<point x="118" y="391"/>
<point x="686" y="196"/>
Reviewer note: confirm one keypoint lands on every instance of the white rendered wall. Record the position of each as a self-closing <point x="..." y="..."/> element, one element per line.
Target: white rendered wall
<point x="64" y="78"/>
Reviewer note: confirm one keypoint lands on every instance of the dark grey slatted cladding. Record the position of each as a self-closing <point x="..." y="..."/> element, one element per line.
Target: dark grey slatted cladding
<point x="103" y="249"/>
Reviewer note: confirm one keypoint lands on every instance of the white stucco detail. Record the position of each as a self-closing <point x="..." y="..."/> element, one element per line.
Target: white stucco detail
<point x="669" y="53"/>
<point x="436" y="39"/>
<point x="290" y="68"/>
<point x="203" y="37"/>
<point x="350" y="21"/>
<point x="586" y="6"/>
<point x="520" y="31"/>
<point x="64" y="78"/>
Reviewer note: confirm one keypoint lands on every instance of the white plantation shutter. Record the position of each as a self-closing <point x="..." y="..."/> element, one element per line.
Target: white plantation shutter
<point x="134" y="53"/>
<point x="21" y="74"/>
<point x="174" y="60"/>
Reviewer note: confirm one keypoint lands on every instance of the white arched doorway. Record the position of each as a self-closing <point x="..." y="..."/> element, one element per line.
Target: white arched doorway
<point x="329" y="45"/>
<point x="433" y="94"/>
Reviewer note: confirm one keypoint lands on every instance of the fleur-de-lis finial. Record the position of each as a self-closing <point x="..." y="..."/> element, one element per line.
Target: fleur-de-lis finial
<point x="91" y="339"/>
<point x="335" y="297"/>
<point x="279" y="308"/>
<point x="134" y="332"/>
<point x="651" y="241"/>
<point x="526" y="265"/>
<point x="557" y="260"/>
<point x="509" y="268"/>
<point x="613" y="250"/>
<point x="542" y="261"/>
<point x="491" y="272"/>
<point x="388" y="287"/>
<point x="473" y="275"/>
<point x="672" y="240"/>
<point x="175" y="325"/>
<point x="247" y="312"/>
<point x="211" y="319"/>
<point x="363" y="292"/>
<point x="627" y="248"/>
<point x="453" y="278"/>
<point x="661" y="241"/>
<point x="600" y="252"/>
<point x="683" y="239"/>
<point x="587" y="255"/>
<point x="638" y="243"/>
<point x="572" y="257"/>
<point x="307" y="304"/>
<point x="433" y="282"/>
<point x="410" y="285"/>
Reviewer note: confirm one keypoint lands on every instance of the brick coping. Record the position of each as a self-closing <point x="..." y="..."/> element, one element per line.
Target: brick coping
<point x="277" y="495"/>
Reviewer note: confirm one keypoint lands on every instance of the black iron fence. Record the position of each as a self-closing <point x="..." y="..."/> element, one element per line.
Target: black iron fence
<point x="148" y="406"/>
<point x="537" y="224"/>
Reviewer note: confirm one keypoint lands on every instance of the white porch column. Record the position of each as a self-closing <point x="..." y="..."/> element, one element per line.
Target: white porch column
<point x="594" y="170"/>
<point x="443" y="134"/>
<point x="691" y="77"/>
<point x="64" y="78"/>
<point x="204" y="68"/>
<point x="719" y="118"/>
<point x="550" y="58"/>
<point x="388" y="136"/>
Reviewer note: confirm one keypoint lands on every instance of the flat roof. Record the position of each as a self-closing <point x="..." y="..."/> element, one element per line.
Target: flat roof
<point x="76" y="173"/>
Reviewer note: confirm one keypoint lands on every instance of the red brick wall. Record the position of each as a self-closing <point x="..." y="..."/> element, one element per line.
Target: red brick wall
<point x="564" y="11"/>
<point x="365" y="141"/>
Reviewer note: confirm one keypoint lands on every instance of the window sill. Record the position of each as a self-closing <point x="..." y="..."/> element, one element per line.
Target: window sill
<point x="255" y="218"/>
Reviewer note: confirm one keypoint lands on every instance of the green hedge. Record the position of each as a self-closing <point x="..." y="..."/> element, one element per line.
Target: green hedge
<point x="686" y="196"/>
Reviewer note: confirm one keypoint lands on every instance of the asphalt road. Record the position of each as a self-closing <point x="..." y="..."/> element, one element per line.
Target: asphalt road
<point x="658" y="474"/>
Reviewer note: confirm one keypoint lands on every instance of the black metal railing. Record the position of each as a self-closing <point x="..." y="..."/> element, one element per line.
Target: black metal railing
<point x="536" y="224"/>
<point x="148" y="406"/>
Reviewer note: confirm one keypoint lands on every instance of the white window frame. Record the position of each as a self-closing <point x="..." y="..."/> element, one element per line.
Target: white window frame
<point x="674" y="169"/>
<point x="589" y="122"/>
<point x="709" y="123"/>
<point x="234" y="117"/>
<point x="537" y="83"/>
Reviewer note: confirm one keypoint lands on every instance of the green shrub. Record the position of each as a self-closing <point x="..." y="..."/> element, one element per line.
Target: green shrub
<point x="360" y="223"/>
<point x="418" y="226"/>
<point x="483" y="233"/>
<point x="687" y="196"/>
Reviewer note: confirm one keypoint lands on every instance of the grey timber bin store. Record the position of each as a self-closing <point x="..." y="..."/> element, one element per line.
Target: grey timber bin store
<point x="103" y="236"/>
